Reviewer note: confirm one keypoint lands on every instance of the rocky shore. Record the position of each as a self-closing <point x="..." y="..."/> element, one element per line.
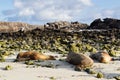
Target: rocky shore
<point x="64" y="37"/>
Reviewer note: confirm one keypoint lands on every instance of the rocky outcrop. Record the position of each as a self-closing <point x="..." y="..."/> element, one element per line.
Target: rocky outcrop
<point x="66" y="26"/>
<point x="6" y="27"/>
<point x="61" y="38"/>
<point x="107" y="23"/>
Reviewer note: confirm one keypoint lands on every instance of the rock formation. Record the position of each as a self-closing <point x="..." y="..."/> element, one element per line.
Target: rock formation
<point x="6" y="27"/>
<point x="65" y="26"/>
<point x="59" y="36"/>
<point x="107" y="23"/>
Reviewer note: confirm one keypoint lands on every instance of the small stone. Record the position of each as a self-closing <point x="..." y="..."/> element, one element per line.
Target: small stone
<point x="49" y="65"/>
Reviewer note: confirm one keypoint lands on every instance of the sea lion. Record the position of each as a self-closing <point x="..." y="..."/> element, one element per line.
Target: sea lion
<point x="102" y="57"/>
<point x="32" y="55"/>
<point x="79" y="59"/>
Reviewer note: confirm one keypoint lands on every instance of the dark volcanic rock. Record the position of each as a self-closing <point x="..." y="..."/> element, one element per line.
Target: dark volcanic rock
<point x="107" y="23"/>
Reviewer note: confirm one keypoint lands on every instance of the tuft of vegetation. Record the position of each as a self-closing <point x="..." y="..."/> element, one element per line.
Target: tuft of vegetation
<point x="100" y="75"/>
<point x="29" y="62"/>
<point x="2" y="59"/>
<point x="8" y="67"/>
<point x="52" y="78"/>
<point x="90" y="71"/>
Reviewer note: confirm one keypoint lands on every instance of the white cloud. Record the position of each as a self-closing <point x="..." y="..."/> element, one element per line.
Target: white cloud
<point x="18" y="4"/>
<point x="50" y="10"/>
<point x="104" y="14"/>
<point x="42" y="11"/>
<point x="54" y="14"/>
<point x="109" y="13"/>
<point x="26" y="12"/>
<point x="87" y="2"/>
<point x="97" y="15"/>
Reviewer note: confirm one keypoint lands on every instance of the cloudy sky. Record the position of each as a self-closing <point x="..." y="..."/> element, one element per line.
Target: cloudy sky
<point x="43" y="11"/>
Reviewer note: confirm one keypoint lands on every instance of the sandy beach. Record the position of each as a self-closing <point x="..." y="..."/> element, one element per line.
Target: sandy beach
<point x="61" y="71"/>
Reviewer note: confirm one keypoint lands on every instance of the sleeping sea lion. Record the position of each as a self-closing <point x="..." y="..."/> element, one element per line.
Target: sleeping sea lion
<point x="79" y="59"/>
<point x="102" y="57"/>
<point x="32" y="55"/>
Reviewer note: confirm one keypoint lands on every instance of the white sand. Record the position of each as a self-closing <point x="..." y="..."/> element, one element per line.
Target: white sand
<point x="64" y="71"/>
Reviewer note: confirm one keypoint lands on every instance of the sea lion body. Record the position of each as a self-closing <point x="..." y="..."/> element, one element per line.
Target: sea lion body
<point x="102" y="57"/>
<point x="32" y="55"/>
<point x="80" y="60"/>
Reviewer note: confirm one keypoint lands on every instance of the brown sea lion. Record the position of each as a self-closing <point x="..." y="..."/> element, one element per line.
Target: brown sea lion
<point x="80" y="60"/>
<point x="102" y="57"/>
<point x="32" y="55"/>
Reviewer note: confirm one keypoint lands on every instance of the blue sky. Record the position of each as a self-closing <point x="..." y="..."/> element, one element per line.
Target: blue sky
<point x="43" y="11"/>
